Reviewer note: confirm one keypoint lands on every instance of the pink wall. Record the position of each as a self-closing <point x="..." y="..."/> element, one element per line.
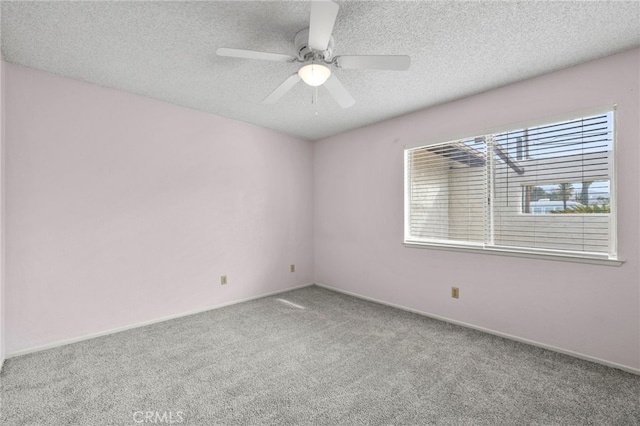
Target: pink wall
<point x="121" y="209"/>
<point x="590" y="310"/>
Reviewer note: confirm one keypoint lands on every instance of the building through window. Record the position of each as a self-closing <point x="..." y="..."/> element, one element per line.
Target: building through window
<point x="545" y="189"/>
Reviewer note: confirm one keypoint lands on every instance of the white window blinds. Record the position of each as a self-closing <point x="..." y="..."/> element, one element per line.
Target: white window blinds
<point x="541" y="189"/>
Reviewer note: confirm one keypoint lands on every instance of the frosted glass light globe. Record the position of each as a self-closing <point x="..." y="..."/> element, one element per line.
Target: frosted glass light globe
<point x="314" y="74"/>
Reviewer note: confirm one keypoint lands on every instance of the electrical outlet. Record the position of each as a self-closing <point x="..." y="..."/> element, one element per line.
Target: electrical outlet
<point x="455" y="292"/>
<point x="293" y="268"/>
<point x="223" y="279"/>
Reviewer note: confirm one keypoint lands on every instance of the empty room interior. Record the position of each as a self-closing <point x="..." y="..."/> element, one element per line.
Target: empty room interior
<point x="320" y="213"/>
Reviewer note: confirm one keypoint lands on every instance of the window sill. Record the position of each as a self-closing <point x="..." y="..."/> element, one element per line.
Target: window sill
<point x="561" y="257"/>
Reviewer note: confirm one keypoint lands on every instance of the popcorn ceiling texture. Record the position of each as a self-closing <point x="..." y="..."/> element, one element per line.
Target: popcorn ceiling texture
<point x="166" y="51"/>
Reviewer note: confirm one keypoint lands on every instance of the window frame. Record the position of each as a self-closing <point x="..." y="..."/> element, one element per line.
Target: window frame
<point x="611" y="259"/>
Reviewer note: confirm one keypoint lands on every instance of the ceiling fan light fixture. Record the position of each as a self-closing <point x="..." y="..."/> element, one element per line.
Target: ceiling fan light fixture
<point x="314" y="74"/>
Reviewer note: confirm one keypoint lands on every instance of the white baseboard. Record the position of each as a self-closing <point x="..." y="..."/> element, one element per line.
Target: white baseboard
<point x="489" y="331"/>
<point x="144" y="323"/>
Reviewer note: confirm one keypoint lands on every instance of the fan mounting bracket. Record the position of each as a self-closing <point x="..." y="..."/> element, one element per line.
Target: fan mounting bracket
<point x="305" y="53"/>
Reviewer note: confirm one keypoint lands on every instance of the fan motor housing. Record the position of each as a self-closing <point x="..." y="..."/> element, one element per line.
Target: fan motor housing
<point x="305" y="53"/>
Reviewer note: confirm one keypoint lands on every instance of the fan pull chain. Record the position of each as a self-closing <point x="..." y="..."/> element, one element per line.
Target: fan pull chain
<point x="314" y="99"/>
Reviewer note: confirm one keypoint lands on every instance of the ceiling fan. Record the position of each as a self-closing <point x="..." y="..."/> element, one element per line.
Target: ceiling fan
<point x="314" y="47"/>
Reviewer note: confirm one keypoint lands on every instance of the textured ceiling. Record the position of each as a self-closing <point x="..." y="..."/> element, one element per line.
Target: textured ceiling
<point x="166" y="51"/>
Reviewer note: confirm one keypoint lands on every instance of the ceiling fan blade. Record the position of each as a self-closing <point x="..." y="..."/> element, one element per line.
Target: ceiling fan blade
<point x="375" y="62"/>
<point x="339" y="93"/>
<point x="321" y="21"/>
<point x="282" y="89"/>
<point x="252" y="54"/>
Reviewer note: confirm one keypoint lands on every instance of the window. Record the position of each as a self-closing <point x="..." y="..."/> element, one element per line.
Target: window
<point x="545" y="190"/>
